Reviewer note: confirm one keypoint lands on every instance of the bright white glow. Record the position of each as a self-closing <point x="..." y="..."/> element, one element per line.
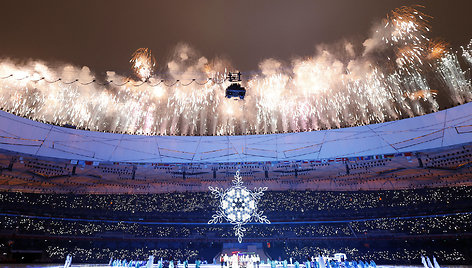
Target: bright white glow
<point x="238" y="205"/>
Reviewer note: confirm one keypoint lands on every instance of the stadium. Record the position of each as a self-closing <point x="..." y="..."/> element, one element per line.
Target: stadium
<point x="307" y="167"/>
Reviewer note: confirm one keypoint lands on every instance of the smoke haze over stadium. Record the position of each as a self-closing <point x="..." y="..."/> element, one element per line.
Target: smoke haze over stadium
<point x="103" y="35"/>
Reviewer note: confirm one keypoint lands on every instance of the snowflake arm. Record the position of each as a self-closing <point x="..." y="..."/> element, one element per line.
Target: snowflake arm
<point x="216" y="192"/>
<point x="217" y="217"/>
<point x="239" y="231"/>
<point x="259" y="217"/>
<point x="238" y="180"/>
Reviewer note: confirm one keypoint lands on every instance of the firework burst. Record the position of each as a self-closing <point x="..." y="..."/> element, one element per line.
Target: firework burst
<point x="407" y="25"/>
<point x="143" y="63"/>
<point x="437" y="49"/>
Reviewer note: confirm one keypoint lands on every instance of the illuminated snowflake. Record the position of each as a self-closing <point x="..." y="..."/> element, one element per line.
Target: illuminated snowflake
<point x="238" y="205"/>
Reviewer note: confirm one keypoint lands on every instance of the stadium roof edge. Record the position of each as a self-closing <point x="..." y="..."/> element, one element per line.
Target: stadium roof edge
<point x="444" y="128"/>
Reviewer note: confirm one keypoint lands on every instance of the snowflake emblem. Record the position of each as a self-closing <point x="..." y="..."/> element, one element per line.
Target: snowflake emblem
<point x="238" y="205"/>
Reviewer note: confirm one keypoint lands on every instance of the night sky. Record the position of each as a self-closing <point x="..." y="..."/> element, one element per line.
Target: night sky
<point x="104" y="34"/>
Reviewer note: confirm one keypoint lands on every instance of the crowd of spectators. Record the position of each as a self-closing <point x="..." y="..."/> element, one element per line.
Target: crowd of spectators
<point x="278" y="205"/>
<point x="416" y="225"/>
<point x="396" y="252"/>
<point x="297" y="217"/>
<point x="386" y="252"/>
<point x="102" y="254"/>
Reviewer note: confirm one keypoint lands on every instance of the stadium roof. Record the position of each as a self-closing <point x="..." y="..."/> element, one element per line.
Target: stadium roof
<point x="444" y="128"/>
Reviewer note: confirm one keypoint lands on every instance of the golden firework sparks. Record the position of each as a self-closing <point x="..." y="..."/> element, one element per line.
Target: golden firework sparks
<point x="437" y="48"/>
<point x="143" y="63"/>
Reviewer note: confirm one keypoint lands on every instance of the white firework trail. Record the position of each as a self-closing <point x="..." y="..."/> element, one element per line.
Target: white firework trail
<point x="467" y="52"/>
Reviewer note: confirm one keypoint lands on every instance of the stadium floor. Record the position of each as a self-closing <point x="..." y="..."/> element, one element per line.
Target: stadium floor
<point x="192" y="266"/>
